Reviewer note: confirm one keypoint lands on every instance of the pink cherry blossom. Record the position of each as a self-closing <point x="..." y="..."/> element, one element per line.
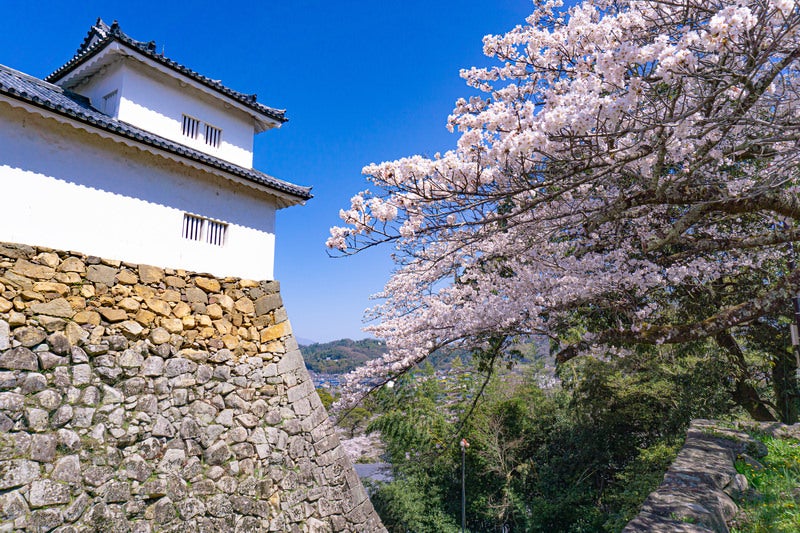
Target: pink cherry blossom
<point x="611" y="154"/>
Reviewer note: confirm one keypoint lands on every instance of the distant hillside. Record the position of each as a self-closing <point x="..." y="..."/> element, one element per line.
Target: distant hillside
<point x="342" y="356"/>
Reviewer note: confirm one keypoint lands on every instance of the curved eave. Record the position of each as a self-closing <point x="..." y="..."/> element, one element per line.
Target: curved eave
<point x="266" y="118"/>
<point x="284" y="193"/>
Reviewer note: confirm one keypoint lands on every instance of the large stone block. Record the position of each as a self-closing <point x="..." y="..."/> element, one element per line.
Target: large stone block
<point x="59" y="307"/>
<point x="32" y="270"/>
<point x="267" y="303"/>
<point x="102" y="274"/>
<point x="5" y="335"/>
<point x="72" y="264"/>
<point x="19" y="358"/>
<point x="67" y="470"/>
<point x="43" y="448"/>
<point x="12" y="505"/>
<point x="11" y="401"/>
<point x="150" y="275"/>
<point x="18" y="472"/>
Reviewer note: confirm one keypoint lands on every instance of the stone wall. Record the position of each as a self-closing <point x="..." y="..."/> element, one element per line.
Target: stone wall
<point x="695" y="496"/>
<point x="134" y="398"/>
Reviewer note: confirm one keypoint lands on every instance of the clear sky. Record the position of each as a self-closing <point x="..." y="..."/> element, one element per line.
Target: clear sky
<point x="362" y="81"/>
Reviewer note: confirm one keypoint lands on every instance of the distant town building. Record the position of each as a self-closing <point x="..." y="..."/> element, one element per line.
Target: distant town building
<point x="125" y="154"/>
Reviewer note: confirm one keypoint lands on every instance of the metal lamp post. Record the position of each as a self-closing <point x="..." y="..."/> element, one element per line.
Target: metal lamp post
<point x="464" y="446"/>
<point x="795" y="327"/>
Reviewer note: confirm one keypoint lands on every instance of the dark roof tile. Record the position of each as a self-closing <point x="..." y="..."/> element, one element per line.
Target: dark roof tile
<point x="45" y="95"/>
<point x="104" y="34"/>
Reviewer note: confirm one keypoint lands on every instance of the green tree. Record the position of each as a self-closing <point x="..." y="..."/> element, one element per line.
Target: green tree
<point x="326" y="397"/>
<point x="561" y="459"/>
<point x="417" y="428"/>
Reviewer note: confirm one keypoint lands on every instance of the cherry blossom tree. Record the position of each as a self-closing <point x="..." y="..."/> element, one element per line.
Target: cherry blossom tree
<point x="615" y="159"/>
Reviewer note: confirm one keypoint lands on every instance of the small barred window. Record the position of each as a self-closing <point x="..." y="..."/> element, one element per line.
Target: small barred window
<point x="204" y="229"/>
<point x="191" y="127"/>
<point x="215" y="232"/>
<point x="110" y="103"/>
<point x="213" y="136"/>
<point x="196" y="129"/>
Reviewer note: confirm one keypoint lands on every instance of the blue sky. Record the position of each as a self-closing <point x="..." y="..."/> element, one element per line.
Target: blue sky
<point x="362" y="81"/>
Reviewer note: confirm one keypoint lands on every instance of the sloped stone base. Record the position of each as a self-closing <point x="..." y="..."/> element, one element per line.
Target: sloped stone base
<point x="694" y="496"/>
<point x="134" y="398"/>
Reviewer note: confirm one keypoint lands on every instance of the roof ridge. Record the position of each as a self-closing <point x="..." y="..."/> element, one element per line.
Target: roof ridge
<point x="77" y="107"/>
<point x="28" y="77"/>
<point x="99" y="28"/>
<point x="106" y="33"/>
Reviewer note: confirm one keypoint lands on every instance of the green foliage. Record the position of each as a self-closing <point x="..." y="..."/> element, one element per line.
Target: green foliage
<point x="633" y="483"/>
<point x="356" y="421"/>
<point x="341" y="356"/>
<point x="650" y="394"/>
<point x="777" y="509"/>
<point x="577" y="458"/>
<point x="409" y="505"/>
<point x="769" y="345"/>
<point x="326" y="398"/>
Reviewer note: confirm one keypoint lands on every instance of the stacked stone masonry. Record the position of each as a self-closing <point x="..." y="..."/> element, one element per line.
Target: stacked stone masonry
<point x="696" y="494"/>
<point x="140" y="399"/>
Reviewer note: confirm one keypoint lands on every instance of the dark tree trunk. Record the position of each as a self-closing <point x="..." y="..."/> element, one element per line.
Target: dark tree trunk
<point x="784" y="383"/>
<point x="744" y="394"/>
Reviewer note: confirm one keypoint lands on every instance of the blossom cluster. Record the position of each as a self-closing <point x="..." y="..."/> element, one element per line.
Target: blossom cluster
<point x="615" y="155"/>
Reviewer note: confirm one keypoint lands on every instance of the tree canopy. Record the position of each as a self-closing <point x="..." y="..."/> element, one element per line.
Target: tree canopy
<point x="626" y="173"/>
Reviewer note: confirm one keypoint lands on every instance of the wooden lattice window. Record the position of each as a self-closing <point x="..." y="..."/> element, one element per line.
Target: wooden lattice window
<point x="203" y="229"/>
<point x="197" y="129"/>
<point x="191" y="127"/>
<point x="213" y="135"/>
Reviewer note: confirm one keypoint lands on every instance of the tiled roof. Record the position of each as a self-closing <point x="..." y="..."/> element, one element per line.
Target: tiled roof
<point x="106" y="34"/>
<point x="45" y="95"/>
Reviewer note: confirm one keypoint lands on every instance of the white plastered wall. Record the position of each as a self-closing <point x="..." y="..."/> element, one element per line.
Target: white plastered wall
<point x="157" y="103"/>
<point x="66" y="188"/>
